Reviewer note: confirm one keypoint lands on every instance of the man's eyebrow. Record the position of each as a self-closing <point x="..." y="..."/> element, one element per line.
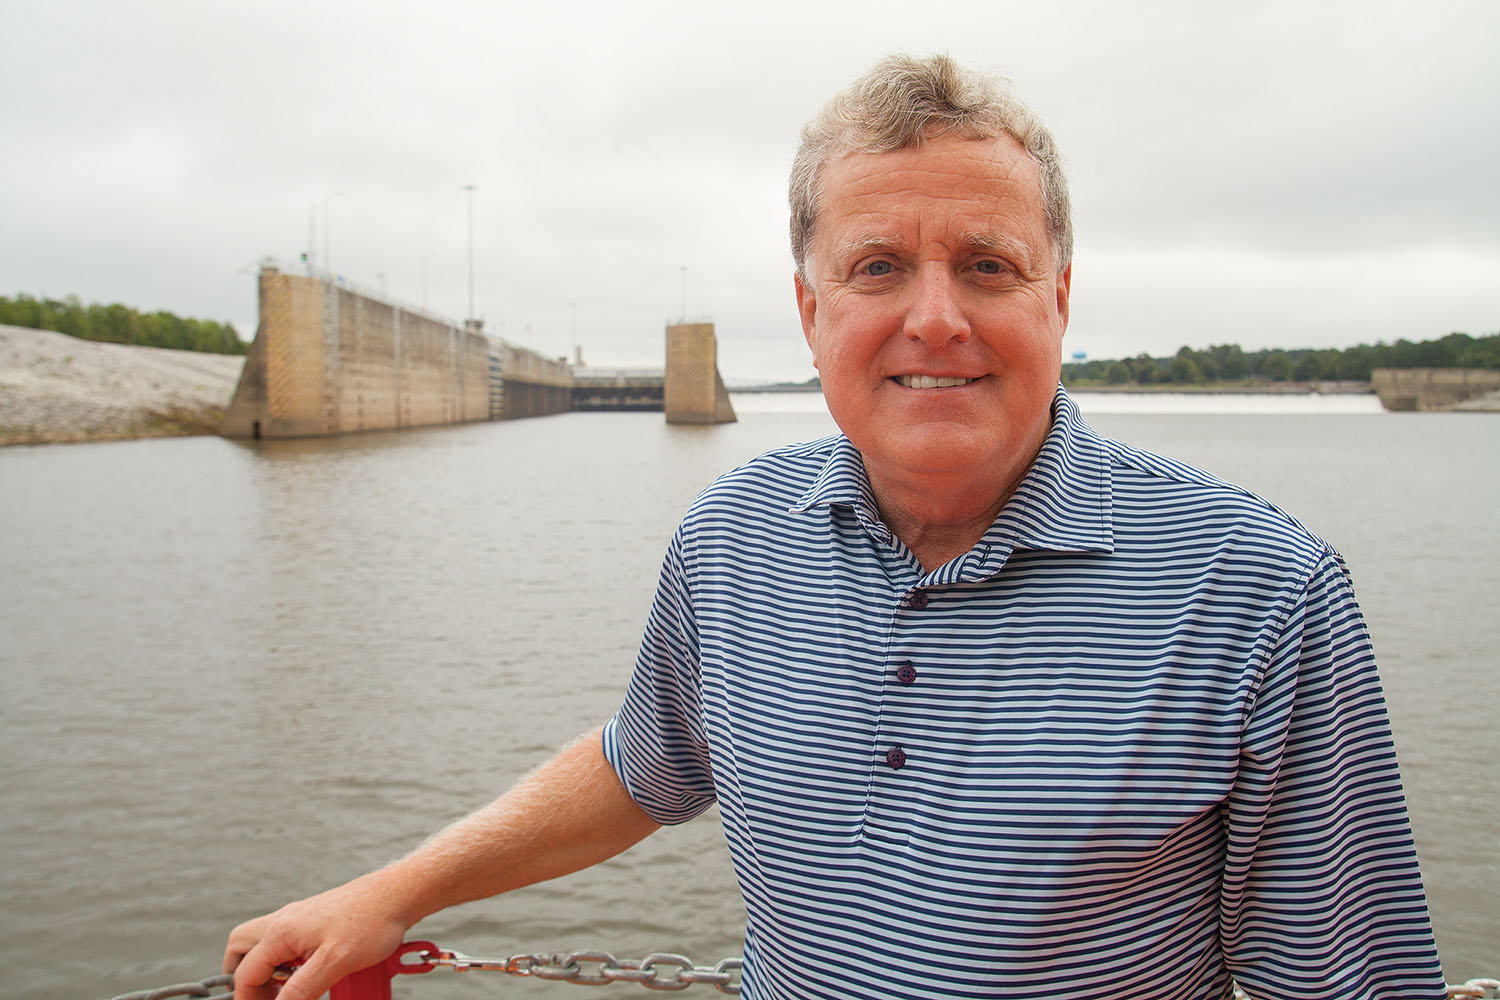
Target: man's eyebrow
<point x="856" y="245"/>
<point x="1019" y="251"/>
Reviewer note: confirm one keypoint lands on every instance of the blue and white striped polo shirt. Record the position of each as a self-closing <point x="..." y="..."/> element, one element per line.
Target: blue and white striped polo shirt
<point x="1133" y="739"/>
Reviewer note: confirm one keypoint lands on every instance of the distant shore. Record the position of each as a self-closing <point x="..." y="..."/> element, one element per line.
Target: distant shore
<point x="1326" y="388"/>
<point x="57" y="389"/>
<point x="1318" y="388"/>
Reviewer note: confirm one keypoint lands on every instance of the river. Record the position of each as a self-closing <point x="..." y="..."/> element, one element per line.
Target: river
<point x="232" y="674"/>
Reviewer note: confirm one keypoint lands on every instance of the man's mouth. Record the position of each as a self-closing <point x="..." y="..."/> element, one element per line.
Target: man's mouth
<point x="931" y="381"/>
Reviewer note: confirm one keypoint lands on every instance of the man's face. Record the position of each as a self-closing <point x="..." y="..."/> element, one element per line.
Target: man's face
<point x="934" y="310"/>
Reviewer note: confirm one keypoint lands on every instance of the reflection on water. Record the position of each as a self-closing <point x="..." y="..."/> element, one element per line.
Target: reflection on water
<point x="233" y="674"/>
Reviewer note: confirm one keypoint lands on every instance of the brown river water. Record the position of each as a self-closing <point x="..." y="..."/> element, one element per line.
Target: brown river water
<point x="235" y="674"/>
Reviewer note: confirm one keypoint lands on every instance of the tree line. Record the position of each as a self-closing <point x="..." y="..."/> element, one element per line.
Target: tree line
<point x="1228" y="363"/>
<point x="117" y="324"/>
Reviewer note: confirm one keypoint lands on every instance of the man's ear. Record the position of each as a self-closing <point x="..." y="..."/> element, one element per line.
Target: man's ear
<point x="1064" y="291"/>
<point x="807" y="309"/>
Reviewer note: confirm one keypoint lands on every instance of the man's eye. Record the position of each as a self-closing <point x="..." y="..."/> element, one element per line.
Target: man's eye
<point x="988" y="267"/>
<point x="878" y="268"/>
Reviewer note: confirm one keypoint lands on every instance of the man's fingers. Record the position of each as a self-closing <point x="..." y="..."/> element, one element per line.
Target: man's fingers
<point x="314" y="976"/>
<point x="241" y="940"/>
<point x="326" y="937"/>
<point x="256" y="968"/>
<point x="310" y="980"/>
<point x="252" y="974"/>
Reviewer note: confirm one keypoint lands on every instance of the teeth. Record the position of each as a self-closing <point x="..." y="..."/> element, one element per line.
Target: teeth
<point x="931" y="381"/>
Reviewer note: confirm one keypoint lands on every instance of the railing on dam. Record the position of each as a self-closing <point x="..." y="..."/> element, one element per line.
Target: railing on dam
<point x="616" y="389"/>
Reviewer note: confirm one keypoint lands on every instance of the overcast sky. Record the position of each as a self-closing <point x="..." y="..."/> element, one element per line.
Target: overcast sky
<point x="1268" y="174"/>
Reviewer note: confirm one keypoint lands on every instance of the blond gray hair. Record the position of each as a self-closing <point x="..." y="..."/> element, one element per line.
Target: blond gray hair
<point x="902" y="103"/>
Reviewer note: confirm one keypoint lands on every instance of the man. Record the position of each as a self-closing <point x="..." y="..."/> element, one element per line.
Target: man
<point x="989" y="705"/>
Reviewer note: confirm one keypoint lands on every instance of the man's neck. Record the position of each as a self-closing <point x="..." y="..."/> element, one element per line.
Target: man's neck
<point x="942" y="510"/>
<point x="938" y="525"/>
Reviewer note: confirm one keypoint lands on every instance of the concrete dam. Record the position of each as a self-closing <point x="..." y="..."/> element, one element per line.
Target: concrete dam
<point x="1435" y="390"/>
<point x="331" y="360"/>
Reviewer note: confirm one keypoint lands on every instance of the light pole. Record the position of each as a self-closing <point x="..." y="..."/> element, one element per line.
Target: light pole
<point x="469" y="188"/>
<point x="310" y="258"/>
<point x="327" y="219"/>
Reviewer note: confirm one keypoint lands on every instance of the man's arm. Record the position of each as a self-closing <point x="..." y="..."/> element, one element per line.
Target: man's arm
<point x="569" y="813"/>
<point x="1321" y="894"/>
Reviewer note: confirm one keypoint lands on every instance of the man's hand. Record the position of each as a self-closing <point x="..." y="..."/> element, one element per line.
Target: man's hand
<point x="329" y="936"/>
<point x="569" y="813"/>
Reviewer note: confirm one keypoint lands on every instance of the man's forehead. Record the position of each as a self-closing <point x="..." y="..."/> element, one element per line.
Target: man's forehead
<point x="979" y="172"/>
<point x="1002" y="161"/>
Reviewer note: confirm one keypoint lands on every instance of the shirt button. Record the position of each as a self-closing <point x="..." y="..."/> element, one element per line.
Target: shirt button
<point x="917" y="600"/>
<point x="896" y="757"/>
<point x="906" y="674"/>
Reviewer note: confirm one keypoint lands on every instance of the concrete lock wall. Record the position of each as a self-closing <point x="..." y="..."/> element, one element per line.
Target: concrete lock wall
<point x="328" y="360"/>
<point x="1432" y="389"/>
<point x="530" y="385"/>
<point x="694" y="392"/>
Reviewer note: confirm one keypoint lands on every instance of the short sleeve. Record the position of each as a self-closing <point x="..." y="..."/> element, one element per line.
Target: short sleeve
<point x="656" y="740"/>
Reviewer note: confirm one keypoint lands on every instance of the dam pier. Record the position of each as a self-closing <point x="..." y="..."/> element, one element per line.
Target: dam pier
<point x="1437" y="390"/>
<point x="329" y="359"/>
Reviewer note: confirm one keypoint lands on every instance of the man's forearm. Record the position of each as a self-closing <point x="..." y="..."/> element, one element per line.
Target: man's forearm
<point x="568" y="814"/>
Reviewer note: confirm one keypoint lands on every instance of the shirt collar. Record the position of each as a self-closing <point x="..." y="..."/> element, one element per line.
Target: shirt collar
<point x="842" y="482"/>
<point x="1063" y="503"/>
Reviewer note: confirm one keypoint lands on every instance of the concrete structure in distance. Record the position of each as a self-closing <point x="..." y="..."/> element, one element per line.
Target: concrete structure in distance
<point x="328" y="359"/>
<point x="1437" y="389"/>
<point x="694" y="392"/>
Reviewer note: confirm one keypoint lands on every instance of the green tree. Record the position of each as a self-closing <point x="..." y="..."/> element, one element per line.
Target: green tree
<point x="1308" y="368"/>
<point x="1184" y="371"/>
<point x="1356" y="363"/>
<point x="1277" y="367"/>
<point x="1230" y="361"/>
<point x="120" y="324"/>
<point x="1143" y="369"/>
<point x="1482" y="352"/>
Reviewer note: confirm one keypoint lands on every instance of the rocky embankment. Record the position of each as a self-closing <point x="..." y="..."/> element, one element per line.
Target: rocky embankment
<point x="58" y="388"/>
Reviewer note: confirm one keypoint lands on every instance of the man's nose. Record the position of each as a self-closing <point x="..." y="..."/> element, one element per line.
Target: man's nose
<point x="935" y="314"/>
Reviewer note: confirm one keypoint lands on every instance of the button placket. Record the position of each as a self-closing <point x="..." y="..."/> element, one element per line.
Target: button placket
<point x="889" y="815"/>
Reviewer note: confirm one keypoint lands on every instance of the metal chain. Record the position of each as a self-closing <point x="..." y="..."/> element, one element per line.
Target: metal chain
<point x="198" y="989"/>
<point x="659" y="971"/>
<point x="600" y="968"/>
<point x="1474" y="989"/>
